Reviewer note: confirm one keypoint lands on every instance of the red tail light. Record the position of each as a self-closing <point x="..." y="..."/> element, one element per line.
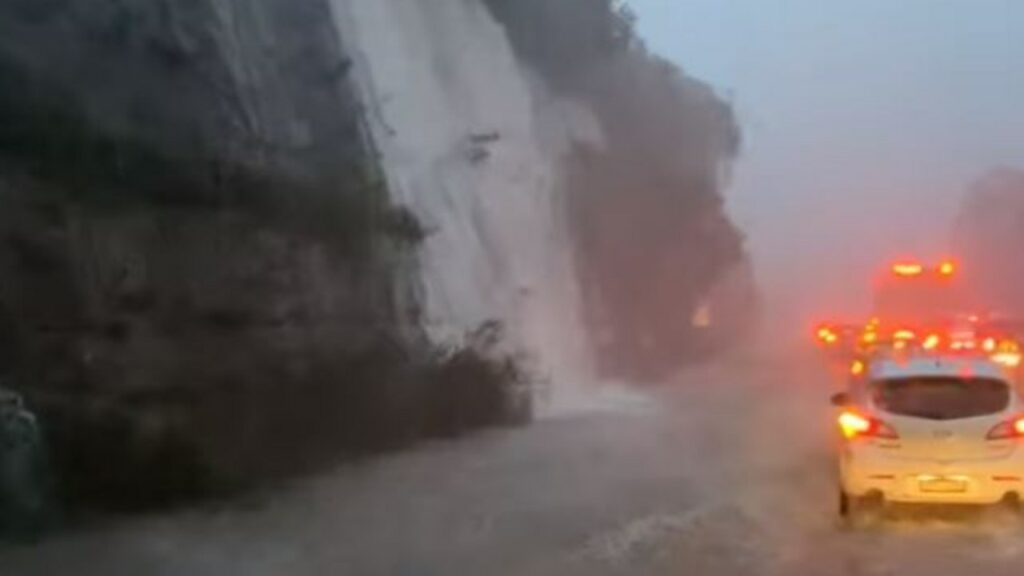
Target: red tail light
<point x="854" y="425"/>
<point x="904" y="334"/>
<point x="857" y="368"/>
<point x="826" y="335"/>
<point x="989" y="345"/>
<point x="1007" y="430"/>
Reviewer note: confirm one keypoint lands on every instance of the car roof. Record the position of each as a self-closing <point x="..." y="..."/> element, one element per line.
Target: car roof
<point x="891" y="368"/>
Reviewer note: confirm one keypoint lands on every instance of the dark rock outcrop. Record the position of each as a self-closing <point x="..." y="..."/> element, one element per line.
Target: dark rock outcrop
<point x="202" y="282"/>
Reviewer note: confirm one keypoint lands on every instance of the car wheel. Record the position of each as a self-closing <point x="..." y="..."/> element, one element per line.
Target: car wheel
<point x="844" y="504"/>
<point x="1007" y="511"/>
<point x="864" y="511"/>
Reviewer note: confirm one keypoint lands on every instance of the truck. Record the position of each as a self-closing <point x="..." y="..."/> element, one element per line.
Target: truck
<point x="926" y="307"/>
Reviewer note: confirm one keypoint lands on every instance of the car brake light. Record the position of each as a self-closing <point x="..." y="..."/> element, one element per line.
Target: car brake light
<point x="1006" y="430"/>
<point x="989" y="345"/>
<point x="947" y="268"/>
<point x="857" y="368"/>
<point x="1007" y="359"/>
<point x="827" y="336"/>
<point x="963" y="345"/>
<point x="853" y="425"/>
<point x="903" y="335"/>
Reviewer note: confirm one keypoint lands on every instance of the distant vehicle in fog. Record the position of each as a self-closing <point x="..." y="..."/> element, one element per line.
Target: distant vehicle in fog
<point x="914" y="293"/>
<point x="915" y="305"/>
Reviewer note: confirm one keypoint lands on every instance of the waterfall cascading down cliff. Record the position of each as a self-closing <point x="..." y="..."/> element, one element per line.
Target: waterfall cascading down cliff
<point x="471" y="142"/>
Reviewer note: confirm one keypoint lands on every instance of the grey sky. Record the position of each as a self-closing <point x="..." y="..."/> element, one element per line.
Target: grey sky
<point x="863" y="122"/>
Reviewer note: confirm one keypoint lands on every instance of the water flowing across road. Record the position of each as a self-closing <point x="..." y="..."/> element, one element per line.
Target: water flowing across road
<point x="727" y="472"/>
<point x="472" y="144"/>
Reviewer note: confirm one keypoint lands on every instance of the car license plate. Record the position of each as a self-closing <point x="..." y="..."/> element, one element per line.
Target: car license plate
<point x="942" y="485"/>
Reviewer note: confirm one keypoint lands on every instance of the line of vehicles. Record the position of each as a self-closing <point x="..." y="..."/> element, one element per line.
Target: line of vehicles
<point x="932" y="405"/>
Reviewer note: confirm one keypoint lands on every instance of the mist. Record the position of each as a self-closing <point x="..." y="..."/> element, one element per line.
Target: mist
<point x="987" y="232"/>
<point x="864" y="125"/>
<point x="471" y="287"/>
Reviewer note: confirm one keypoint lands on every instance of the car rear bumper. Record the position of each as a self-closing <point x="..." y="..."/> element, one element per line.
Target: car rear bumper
<point x="982" y="481"/>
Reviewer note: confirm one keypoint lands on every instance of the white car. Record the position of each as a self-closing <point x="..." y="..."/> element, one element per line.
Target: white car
<point x="930" y="430"/>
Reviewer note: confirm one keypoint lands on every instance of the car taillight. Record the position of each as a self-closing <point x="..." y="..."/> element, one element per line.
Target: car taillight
<point x="854" y="425"/>
<point x="1006" y="430"/>
<point x="989" y="345"/>
<point x="857" y="368"/>
<point x="827" y="336"/>
<point x="904" y="334"/>
<point x="1007" y="359"/>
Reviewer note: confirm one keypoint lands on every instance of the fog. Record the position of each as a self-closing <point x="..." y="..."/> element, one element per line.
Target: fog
<point x="283" y="285"/>
<point x="863" y="125"/>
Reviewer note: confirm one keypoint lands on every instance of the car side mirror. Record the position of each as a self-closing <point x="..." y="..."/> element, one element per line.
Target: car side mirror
<point x="840" y="399"/>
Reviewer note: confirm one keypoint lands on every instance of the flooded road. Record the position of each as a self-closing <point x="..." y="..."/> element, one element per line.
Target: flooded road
<point x="726" y="472"/>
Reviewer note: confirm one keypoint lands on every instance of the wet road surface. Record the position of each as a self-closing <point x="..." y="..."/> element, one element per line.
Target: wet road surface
<point x="727" y="472"/>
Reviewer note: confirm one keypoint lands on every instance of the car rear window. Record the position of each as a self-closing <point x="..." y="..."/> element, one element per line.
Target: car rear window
<point x="941" y="398"/>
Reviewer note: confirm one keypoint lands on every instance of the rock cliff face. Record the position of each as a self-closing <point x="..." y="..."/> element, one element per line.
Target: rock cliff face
<point x="241" y="237"/>
<point x="252" y="81"/>
<point x="474" y="145"/>
<point x="202" y="273"/>
<point x="453" y="123"/>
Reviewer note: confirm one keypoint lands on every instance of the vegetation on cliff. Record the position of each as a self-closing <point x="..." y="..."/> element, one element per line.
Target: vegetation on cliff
<point x="652" y="235"/>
